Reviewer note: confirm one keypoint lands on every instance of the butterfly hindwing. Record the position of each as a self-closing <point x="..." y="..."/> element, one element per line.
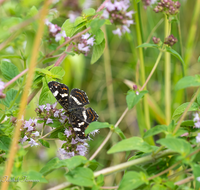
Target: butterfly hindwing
<point x="60" y="92"/>
<point x="79" y="126"/>
<point x="78" y="98"/>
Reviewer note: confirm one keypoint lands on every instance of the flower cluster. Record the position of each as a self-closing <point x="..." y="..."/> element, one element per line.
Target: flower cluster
<point x="55" y="31"/>
<point x="118" y="15"/>
<point x="156" y="40"/>
<point x="169" y="7"/>
<point x="2" y="84"/>
<point x="170" y="40"/>
<point x="28" y="131"/>
<point x="148" y="2"/>
<point x="85" y="43"/>
<point x="49" y="112"/>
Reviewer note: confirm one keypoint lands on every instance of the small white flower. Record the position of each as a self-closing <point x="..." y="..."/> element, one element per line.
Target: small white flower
<point x="129" y="14"/>
<point x="129" y="22"/>
<point x="125" y="29"/>
<point x="32" y="142"/>
<point x="47" y="22"/>
<point x="85" y="36"/>
<point x="52" y="28"/>
<point x="49" y="120"/>
<point x="36" y="134"/>
<point x="198" y="179"/>
<point x="118" y="32"/>
<point x="137" y="93"/>
<point x="110" y="6"/>
<point x="82" y="48"/>
<point x="94" y="132"/>
<point x="196" y="117"/>
<point x="198" y="138"/>
<point x="105" y="14"/>
<point x="24" y="139"/>
<point x="58" y="37"/>
<point x="90" y="41"/>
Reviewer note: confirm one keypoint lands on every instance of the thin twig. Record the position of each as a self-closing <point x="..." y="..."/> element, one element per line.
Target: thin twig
<point x="186" y="180"/>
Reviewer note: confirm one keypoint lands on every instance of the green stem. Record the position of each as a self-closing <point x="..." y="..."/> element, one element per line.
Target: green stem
<point x="167" y="76"/>
<point x="192" y="34"/>
<point x="125" y="165"/>
<point x="142" y="67"/>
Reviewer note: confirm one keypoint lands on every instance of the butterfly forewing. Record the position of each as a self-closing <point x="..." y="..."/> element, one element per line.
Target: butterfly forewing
<point x="78" y="98"/>
<point x="60" y="92"/>
<point x="91" y="115"/>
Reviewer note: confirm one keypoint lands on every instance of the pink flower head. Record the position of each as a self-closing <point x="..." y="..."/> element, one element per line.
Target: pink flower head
<point x="90" y="41"/>
<point x="118" y="32"/>
<point x="84" y="48"/>
<point x="49" y="120"/>
<point x="85" y="36"/>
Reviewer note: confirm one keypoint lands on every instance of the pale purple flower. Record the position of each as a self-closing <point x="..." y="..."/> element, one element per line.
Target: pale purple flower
<point x="90" y="41"/>
<point x="54" y="105"/>
<point x="63" y="34"/>
<point x="34" y="121"/>
<point x="52" y="28"/>
<point x="48" y="107"/>
<point x="24" y="139"/>
<point x="67" y="132"/>
<point x="94" y="132"/>
<point x="137" y="93"/>
<point x="30" y="128"/>
<point x="32" y="142"/>
<point x="49" y="120"/>
<point x="73" y="15"/>
<point x="197" y="124"/>
<point x="82" y="149"/>
<point x="119" y="5"/>
<point x="110" y="6"/>
<point x="27" y="124"/>
<point x="118" y="32"/>
<point x="85" y="36"/>
<point x="56" y="114"/>
<point x="198" y="138"/>
<point x="87" y="4"/>
<point x="73" y="141"/>
<point x="64" y="117"/>
<point x="42" y="107"/>
<point x="58" y="37"/>
<point x="47" y="22"/>
<point x="125" y="29"/>
<point x="64" y="154"/>
<point x="36" y="134"/>
<point x="129" y="22"/>
<point x="196" y="117"/>
<point x="105" y="14"/>
<point x="129" y="14"/>
<point x="82" y="48"/>
<point x="2" y="84"/>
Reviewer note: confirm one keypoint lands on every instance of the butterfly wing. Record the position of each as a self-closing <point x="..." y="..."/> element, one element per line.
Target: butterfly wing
<point x="78" y="98"/>
<point x="60" y="92"/>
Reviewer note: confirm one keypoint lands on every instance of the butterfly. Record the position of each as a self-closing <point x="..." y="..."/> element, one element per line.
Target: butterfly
<point x="74" y="103"/>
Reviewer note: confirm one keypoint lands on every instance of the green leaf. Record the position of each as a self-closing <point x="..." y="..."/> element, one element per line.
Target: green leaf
<point x="134" y="143"/>
<point x="99" y="37"/>
<point x="187" y="82"/>
<point x="132" y="180"/>
<point x="177" y="113"/>
<point x="4" y="143"/>
<point x="10" y="96"/>
<point x="44" y="143"/>
<point x="155" y="130"/>
<point x="46" y="96"/>
<point x="9" y="70"/>
<point x="97" y="51"/>
<point x="32" y="12"/>
<point x="198" y="99"/>
<point x="71" y="28"/>
<point x="96" y="24"/>
<point x="100" y="180"/>
<point x="52" y="165"/>
<point x="49" y="60"/>
<point x="176" y="54"/>
<point x="89" y="12"/>
<point x="132" y="99"/>
<point x="75" y="162"/>
<point x="58" y="72"/>
<point x="148" y="45"/>
<point x="196" y="173"/>
<point x="119" y="132"/>
<point x="10" y="56"/>
<point x="55" y="124"/>
<point x="61" y="136"/>
<point x="96" y="125"/>
<point x="178" y="145"/>
<point x="81" y="176"/>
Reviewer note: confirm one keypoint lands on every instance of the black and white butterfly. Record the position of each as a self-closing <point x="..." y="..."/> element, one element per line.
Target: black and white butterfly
<point x="73" y="103"/>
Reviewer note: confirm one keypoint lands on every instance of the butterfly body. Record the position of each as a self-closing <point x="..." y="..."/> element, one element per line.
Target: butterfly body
<point x="74" y="103"/>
